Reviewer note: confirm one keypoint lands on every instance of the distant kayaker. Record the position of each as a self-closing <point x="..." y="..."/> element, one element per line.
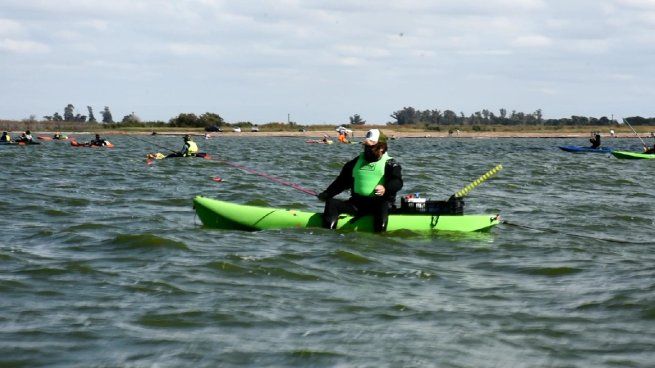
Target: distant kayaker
<point x="57" y="136"/>
<point x="5" y="137"/>
<point x="98" y="141"/>
<point x="595" y="140"/>
<point x="25" y="137"/>
<point x="373" y="178"/>
<point x="190" y="148"/>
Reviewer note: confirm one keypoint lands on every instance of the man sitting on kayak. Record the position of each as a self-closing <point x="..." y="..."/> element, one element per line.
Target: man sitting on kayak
<point x="190" y="148"/>
<point x="373" y="178"/>
<point x="595" y="140"/>
<point x="25" y="137"/>
<point x="98" y="141"/>
<point x="6" y="138"/>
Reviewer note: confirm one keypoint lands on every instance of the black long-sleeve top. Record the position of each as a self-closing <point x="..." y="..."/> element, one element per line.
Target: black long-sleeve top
<point x="393" y="180"/>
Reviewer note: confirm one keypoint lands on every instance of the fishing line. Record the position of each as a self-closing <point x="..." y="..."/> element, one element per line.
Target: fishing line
<point x="149" y="142"/>
<point x="633" y="129"/>
<point x="588" y="237"/>
<point x="267" y="176"/>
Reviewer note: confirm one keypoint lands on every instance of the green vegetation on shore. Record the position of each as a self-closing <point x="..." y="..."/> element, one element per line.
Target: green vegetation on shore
<point x="407" y="119"/>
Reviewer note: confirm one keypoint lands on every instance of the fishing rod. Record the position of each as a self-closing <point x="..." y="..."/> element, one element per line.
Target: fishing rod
<point x="267" y="176"/>
<point x="633" y="129"/>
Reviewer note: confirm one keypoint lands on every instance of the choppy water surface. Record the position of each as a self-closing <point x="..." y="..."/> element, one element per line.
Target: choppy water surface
<point x="103" y="262"/>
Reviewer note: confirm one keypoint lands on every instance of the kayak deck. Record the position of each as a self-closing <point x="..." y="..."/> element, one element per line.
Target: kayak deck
<point x="231" y="216"/>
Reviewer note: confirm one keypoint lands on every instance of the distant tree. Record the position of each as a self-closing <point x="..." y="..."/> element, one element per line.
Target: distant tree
<point x="106" y="116"/>
<point x="92" y="119"/>
<point x="80" y="118"/>
<point x="538" y="115"/>
<point x="57" y="117"/>
<point x="503" y="113"/>
<point x="68" y="113"/>
<point x="449" y="117"/>
<point x="357" y="120"/>
<point x="211" y="119"/>
<point x="47" y="117"/>
<point x="185" y="120"/>
<point x="130" y="119"/>
<point x="405" y="116"/>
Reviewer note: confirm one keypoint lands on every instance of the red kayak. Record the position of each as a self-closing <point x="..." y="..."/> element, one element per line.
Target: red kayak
<point x="107" y="144"/>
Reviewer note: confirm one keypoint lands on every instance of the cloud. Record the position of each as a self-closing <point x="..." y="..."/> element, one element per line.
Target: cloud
<point x="532" y="41"/>
<point x="195" y="49"/>
<point x="23" y="46"/>
<point x="9" y="27"/>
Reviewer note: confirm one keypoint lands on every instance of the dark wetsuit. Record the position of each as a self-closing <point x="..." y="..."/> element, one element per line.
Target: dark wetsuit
<point x="595" y="141"/>
<point x="358" y="205"/>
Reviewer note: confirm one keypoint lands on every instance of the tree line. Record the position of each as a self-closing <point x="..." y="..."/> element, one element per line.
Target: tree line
<point x="411" y="116"/>
<point x="407" y="116"/>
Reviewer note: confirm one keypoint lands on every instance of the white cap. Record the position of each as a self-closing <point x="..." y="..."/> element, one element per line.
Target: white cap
<point x="372" y="136"/>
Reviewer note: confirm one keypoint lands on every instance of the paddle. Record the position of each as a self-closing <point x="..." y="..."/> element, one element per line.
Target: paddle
<point x="478" y="181"/>
<point x="267" y="176"/>
<point x="633" y="129"/>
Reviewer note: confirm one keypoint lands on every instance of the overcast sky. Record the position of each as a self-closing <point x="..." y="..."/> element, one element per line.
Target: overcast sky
<point x="323" y="61"/>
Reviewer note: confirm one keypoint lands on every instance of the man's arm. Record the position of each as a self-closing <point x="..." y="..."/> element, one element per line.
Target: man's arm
<point x="343" y="182"/>
<point x="394" y="178"/>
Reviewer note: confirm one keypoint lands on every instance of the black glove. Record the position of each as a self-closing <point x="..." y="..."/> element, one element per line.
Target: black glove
<point x="322" y="196"/>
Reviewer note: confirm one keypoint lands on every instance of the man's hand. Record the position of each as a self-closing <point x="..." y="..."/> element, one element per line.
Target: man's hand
<point x="379" y="190"/>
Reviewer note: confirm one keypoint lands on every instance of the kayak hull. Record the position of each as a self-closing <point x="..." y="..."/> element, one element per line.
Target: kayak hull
<point x="231" y="216"/>
<point x="161" y="156"/>
<point x="20" y="143"/>
<point x="633" y="155"/>
<point x="77" y="144"/>
<point x="581" y="149"/>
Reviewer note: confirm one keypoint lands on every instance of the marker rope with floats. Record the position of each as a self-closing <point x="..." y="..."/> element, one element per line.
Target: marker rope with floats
<point x="462" y="193"/>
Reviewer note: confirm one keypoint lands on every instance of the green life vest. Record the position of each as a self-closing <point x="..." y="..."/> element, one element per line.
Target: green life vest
<point x="192" y="148"/>
<point x="368" y="175"/>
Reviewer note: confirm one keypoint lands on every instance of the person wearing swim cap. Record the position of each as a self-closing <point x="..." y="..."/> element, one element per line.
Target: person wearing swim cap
<point x="373" y="178"/>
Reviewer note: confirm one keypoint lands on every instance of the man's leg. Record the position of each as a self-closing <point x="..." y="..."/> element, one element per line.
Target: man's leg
<point x="380" y="216"/>
<point x="333" y="208"/>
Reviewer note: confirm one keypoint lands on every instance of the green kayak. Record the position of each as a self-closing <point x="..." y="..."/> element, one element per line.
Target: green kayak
<point x="231" y="216"/>
<point x="633" y="155"/>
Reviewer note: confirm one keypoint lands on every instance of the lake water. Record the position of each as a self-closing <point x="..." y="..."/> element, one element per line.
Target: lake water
<point x="103" y="262"/>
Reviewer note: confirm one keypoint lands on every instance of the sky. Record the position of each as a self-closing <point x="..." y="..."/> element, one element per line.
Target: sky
<point x="323" y="61"/>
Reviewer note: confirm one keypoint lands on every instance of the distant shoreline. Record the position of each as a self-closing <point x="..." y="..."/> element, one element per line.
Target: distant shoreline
<point x="358" y="134"/>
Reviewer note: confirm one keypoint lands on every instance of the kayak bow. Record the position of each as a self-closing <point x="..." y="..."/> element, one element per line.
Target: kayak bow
<point x="633" y="155"/>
